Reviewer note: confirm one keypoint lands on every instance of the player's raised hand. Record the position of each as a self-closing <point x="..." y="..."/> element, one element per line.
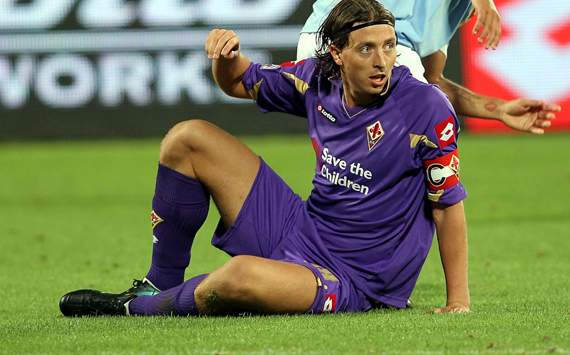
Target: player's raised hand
<point x="488" y="25"/>
<point x="528" y="115"/>
<point x="222" y="43"/>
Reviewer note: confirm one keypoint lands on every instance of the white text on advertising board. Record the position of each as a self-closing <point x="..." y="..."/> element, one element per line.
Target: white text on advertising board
<point x="116" y="52"/>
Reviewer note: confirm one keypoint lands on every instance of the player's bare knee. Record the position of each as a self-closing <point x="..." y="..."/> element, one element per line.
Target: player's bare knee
<point x="182" y="141"/>
<point x="242" y="268"/>
<point x="230" y="287"/>
<point x="209" y="298"/>
<point x="236" y="278"/>
<point x="172" y="147"/>
<point x="214" y="296"/>
<point x="242" y="281"/>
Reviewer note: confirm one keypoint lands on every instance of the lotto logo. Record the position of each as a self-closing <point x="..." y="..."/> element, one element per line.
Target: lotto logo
<point x="330" y="303"/>
<point x="445" y="132"/>
<point x="326" y="114"/>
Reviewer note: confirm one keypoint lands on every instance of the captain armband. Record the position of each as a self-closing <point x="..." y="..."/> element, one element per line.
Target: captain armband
<point x="442" y="172"/>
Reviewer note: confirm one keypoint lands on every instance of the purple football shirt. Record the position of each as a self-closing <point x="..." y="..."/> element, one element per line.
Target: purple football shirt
<point x="378" y="170"/>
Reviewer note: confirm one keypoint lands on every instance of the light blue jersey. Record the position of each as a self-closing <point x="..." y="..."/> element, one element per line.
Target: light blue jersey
<point x="423" y="25"/>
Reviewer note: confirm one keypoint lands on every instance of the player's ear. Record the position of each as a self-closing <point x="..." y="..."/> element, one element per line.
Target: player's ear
<point x="335" y="53"/>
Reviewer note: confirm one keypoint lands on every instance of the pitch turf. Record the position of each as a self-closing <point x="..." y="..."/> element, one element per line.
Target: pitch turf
<point x="75" y="215"/>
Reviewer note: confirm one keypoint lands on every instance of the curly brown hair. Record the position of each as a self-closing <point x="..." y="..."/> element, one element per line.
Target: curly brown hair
<point x="336" y="29"/>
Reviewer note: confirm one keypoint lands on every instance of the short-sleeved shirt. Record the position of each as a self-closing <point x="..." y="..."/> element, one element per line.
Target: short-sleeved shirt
<point x="423" y="25"/>
<point x="378" y="169"/>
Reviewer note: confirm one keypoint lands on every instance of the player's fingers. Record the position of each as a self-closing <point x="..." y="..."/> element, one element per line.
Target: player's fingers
<point x="480" y="21"/>
<point x="545" y="115"/>
<point x="552" y="107"/>
<point x="530" y="103"/>
<point x="496" y="34"/>
<point x="230" y="48"/>
<point x="485" y="33"/>
<point x="217" y="44"/>
<point x="499" y="29"/>
<point x="498" y="40"/>
<point x="483" y="25"/>
<point x="224" y="38"/>
<point x="212" y="41"/>
<point x="476" y="27"/>
<point x="536" y="130"/>
<point x="542" y="123"/>
<point x="492" y="38"/>
<point x="208" y="42"/>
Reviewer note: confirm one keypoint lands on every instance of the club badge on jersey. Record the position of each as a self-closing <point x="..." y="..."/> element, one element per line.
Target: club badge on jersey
<point x="155" y="219"/>
<point x="374" y="133"/>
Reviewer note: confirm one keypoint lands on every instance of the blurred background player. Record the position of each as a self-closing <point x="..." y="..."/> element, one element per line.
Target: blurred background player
<point x="360" y="239"/>
<point x="424" y="29"/>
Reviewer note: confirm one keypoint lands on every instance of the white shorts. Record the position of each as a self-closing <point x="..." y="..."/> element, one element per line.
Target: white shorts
<point x="307" y="47"/>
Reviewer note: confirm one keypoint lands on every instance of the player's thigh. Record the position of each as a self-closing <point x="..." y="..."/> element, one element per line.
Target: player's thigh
<point x="267" y="216"/>
<point x="260" y="285"/>
<point x="226" y="166"/>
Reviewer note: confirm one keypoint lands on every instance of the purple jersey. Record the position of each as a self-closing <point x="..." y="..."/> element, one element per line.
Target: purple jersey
<point x="378" y="168"/>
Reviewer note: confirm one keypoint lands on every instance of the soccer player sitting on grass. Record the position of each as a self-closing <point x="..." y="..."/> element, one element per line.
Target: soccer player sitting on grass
<point x="386" y="179"/>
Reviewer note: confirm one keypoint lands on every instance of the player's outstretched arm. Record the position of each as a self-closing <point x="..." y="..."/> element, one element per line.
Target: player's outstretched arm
<point x="228" y="64"/>
<point x="526" y="115"/>
<point x="451" y="230"/>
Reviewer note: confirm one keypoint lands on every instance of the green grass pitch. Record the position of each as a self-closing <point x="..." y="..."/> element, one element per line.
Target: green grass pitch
<point x="75" y="215"/>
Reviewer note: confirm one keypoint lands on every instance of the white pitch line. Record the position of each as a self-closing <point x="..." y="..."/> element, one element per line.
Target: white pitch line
<point x="89" y="41"/>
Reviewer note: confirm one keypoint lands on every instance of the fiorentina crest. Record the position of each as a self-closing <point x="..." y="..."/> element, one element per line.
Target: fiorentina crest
<point x="374" y="133"/>
<point x="155" y="219"/>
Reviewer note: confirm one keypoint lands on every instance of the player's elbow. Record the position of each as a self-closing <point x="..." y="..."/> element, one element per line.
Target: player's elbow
<point x="435" y="79"/>
<point x="234" y="89"/>
<point x="441" y="212"/>
<point x="438" y="214"/>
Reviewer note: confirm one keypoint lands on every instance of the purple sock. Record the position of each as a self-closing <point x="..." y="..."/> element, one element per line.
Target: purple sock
<point x="180" y="206"/>
<point x="177" y="301"/>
